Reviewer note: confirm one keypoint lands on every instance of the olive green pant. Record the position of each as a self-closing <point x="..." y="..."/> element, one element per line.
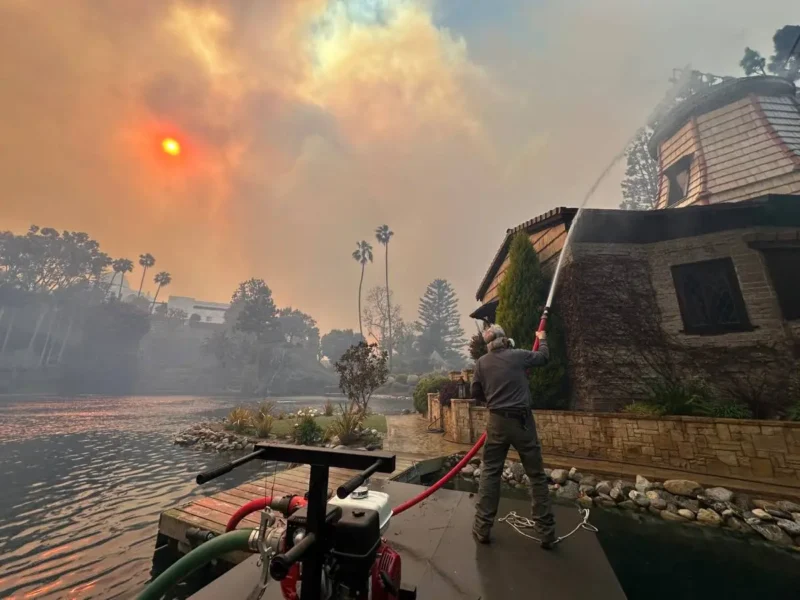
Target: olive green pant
<point x="503" y="432"/>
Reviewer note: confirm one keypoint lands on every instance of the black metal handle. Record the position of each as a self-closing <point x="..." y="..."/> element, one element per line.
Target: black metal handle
<point x="207" y="476"/>
<point x="281" y="563"/>
<point x="349" y="487"/>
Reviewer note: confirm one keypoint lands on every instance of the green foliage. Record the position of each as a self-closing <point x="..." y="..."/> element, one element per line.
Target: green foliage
<point x="681" y="397"/>
<point x="477" y="346"/>
<point x="549" y="384"/>
<point x="346" y="425"/>
<point x="522" y="292"/>
<point x="307" y="431"/>
<point x="721" y="409"/>
<point x="362" y="370"/>
<point x="439" y="322"/>
<point x="401" y="378"/>
<point x="252" y="308"/>
<point x="644" y="409"/>
<point x="428" y="384"/>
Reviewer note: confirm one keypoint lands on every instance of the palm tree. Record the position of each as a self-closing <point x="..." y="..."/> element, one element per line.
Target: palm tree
<point x="363" y="255"/>
<point x="146" y="261"/>
<point x="383" y="234"/>
<point x="163" y="278"/>
<point x="122" y="266"/>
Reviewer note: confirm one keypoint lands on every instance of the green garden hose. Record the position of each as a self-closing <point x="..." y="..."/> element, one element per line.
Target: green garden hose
<point x="197" y="558"/>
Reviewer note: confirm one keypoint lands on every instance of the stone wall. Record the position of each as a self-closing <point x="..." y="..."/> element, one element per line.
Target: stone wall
<point x="765" y="451"/>
<point x="631" y="286"/>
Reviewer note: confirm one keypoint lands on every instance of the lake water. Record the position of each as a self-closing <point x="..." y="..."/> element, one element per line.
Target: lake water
<point x="84" y="479"/>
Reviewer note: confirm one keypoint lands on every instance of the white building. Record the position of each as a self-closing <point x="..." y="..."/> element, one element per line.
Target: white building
<point x="208" y="312"/>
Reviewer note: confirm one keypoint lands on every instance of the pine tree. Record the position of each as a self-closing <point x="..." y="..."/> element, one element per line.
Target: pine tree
<point x="640" y="186"/>
<point x="522" y="292"/>
<point x="440" y="322"/>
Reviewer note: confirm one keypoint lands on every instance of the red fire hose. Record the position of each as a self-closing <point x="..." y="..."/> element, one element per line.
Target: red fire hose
<point x="468" y="456"/>
<point x="260" y="504"/>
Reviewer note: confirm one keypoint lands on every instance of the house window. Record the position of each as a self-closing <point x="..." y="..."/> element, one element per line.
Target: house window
<point x="709" y="297"/>
<point x="784" y="266"/>
<point x="678" y="178"/>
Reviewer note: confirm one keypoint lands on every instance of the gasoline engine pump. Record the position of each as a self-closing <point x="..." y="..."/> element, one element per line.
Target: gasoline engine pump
<point x="327" y="549"/>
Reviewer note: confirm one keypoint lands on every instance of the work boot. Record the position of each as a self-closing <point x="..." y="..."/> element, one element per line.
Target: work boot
<point x="549" y="540"/>
<point x="481" y="535"/>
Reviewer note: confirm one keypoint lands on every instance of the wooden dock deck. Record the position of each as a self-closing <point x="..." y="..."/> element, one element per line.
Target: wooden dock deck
<point x="212" y="512"/>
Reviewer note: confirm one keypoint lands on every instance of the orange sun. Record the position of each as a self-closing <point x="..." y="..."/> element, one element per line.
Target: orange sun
<point x="171" y="146"/>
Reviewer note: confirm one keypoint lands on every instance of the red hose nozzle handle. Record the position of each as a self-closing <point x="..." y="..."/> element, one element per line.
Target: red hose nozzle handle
<point x="542" y="326"/>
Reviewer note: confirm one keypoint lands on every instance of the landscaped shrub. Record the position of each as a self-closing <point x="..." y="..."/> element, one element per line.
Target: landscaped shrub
<point x="328" y="408"/>
<point x="681" y="397"/>
<point x="722" y="409"/>
<point x="307" y="431"/>
<point x="413" y="379"/>
<point x="477" y="346"/>
<point x="239" y="419"/>
<point x="262" y="424"/>
<point x="643" y="409"/>
<point x="346" y="426"/>
<point x="428" y="384"/>
<point x="402" y="378"/>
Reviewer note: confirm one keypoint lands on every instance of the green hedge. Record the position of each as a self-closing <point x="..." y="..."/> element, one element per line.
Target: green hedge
<point x="428" y="384"/>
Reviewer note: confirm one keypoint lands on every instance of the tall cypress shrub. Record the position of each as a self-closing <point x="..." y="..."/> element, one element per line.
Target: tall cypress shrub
<point x="522" y="294"/>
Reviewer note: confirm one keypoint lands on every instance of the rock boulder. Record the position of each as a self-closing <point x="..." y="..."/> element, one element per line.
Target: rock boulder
<point x="709" y="517"/>
<point x="683" y="487"/>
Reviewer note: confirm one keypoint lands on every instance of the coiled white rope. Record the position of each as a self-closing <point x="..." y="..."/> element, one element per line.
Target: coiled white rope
<point x="519" y="523"/>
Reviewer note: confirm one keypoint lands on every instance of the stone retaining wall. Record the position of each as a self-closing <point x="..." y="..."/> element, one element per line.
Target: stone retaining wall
<point x="765" y="451"/>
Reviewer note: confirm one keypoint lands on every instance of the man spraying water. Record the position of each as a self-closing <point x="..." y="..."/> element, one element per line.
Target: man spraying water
<point x="501" y="382"/>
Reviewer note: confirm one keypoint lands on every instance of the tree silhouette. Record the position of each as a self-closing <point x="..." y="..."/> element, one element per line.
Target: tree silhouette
<point x="122" y="266"/>
<point x="439" y="321"/>
<point x="146" y="261"/>
<point x="522" y="292"/>
<point x="383" y="234"/>
<point x="337" y="341"/>
<point x="362" y="255"/>
<point x="161" y="279"/>
<point x="785" y="62"/>
<point x="640" y="186"/>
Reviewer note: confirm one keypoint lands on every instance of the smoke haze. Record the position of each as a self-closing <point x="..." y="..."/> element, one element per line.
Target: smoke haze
<point x="306" y="124"/>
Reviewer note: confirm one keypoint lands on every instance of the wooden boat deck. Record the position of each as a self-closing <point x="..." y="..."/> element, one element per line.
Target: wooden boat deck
<point x="212" y="512"/>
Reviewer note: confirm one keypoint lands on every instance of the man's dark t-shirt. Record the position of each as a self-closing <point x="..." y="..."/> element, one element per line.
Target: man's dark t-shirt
<point x="500" y="377"/>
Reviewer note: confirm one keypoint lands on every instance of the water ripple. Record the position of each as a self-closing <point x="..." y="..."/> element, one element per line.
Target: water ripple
<point x="84" y="481"/>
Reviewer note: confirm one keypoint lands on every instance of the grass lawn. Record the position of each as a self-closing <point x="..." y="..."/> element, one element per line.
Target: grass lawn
<point x="285" y="426"/>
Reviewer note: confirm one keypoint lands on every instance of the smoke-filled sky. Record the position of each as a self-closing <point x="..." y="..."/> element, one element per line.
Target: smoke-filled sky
<point x="306" y="124"/>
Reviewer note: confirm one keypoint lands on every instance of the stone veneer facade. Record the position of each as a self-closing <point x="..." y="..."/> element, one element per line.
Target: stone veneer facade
<point x="764" y="451"/>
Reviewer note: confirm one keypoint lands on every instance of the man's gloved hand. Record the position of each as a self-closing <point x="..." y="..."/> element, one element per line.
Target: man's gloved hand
<point x="542" y="335"/>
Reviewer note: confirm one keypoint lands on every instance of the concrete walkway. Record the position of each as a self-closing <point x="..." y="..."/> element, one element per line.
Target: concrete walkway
<point x="409" y="435"/>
